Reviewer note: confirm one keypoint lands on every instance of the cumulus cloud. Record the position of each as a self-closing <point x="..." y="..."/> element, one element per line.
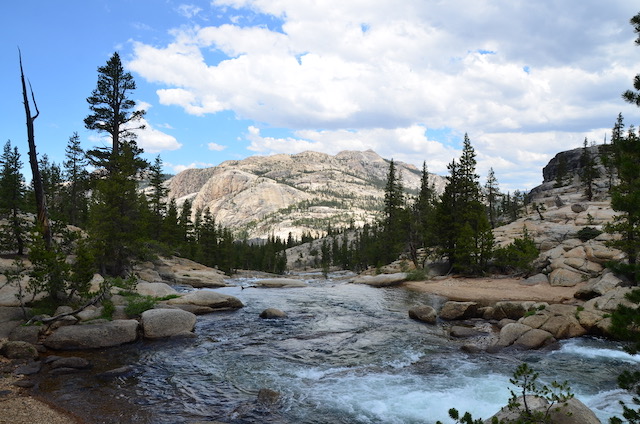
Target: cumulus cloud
<point x="216" y="147"/>
<point x="517" y="76"/>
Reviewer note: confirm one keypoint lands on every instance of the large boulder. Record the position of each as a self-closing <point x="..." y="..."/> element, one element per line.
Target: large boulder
<point x="563" y="277"/>
<point x="208" y="298"/>
<point x="599" y="286"/>
<point x="381" y="280"/>
<point x="159" y="323"/>
<point x="93" y="336"/>
<point x="511" y="309"/>
<point x="459" y="310"/>
<point x="19" y="350"/>
<point x="571" y="412"/>
<point x="424" y="313"/>
<point x="144" y="288"/>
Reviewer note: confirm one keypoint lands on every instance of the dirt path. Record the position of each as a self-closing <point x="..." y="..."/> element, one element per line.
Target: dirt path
<point x="490" y="290"/>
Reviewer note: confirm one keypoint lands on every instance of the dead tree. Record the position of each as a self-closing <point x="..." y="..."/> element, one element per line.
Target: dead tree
<point x="38" y="188"/>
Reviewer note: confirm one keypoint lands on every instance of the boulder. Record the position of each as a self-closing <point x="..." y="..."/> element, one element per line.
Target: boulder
<point x="565" y="278"/>
<point x="424" y="313"/>
<point x="272" y="313"/>
<point x="609" y="301"/>
<point x="452" y="310"/>
<point x="599" y="286"/>
<point x="280" y="283"/>
<point x="579" y="207"/>
<point x="89" y="313"/>
<point x="511" y="309"/>
<point x="159" y="323"/>
<point x="536" y="279"/>
<point x="534" y="339"/>
<point x="154" y="289"/>
<point x="19" y="350"/>
<point x="510" y="333"/>
<point x="381" y="280"/>
<point x="29" y="333"/>
<point x="208" y="298"/>
<point x="573" y="412"/>
<point x="94" y="336"/>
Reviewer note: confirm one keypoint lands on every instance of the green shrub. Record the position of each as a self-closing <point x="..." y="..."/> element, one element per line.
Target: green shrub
<point x="516" y="257"/>
<point x="108" y="308"/>
<point x="136" y="305"/>
<point x="588" y="233"/>
<point x="418" y="274"/>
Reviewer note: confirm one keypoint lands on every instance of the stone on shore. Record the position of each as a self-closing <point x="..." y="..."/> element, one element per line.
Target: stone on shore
<point x="93" y="336"/>
<point x="144" y="288"/>
<point x="424" y="313"/>
<point x="208" y="298"/>
<point x="459" y="310"/>
<point x="18" y="350"/>
<point x="381" y="280"/>
<point x="160" y="323"/>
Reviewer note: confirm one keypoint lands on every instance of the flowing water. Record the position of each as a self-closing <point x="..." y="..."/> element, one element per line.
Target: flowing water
<point x="346" y="354"/>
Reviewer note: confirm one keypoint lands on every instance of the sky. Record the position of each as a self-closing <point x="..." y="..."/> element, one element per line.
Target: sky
<point x="227" y="79"/>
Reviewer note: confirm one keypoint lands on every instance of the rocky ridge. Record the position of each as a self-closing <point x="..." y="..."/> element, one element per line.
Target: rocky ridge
<point x="282" y="194"/>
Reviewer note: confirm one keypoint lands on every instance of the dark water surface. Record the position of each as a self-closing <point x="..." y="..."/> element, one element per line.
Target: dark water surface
<point x="346" y="354"/>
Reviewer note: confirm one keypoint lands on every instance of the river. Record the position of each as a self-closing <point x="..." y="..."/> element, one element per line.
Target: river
<point x="346" y="353"/>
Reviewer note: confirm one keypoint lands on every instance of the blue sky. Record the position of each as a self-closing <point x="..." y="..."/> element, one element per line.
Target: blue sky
<point x="227" y="79"/>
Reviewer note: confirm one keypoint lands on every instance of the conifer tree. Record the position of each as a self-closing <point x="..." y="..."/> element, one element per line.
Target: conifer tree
<point x="113" y="111"/>
<point x="12" y="192"/>
<point x="157" y="197"/>
<point x="395" y="215"/>
<point x="588" y="170"/>
<point x="115" y="212"/>
<point x="464" y="233"/>
<point x="77" y="178"/>
<point x="493" y="192"/>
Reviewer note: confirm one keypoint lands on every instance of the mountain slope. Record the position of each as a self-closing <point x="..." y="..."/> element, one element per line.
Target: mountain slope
<point x="282" y="194"/>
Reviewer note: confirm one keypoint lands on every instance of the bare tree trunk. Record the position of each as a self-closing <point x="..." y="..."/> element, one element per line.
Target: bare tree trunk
<point x="38" y="188"/>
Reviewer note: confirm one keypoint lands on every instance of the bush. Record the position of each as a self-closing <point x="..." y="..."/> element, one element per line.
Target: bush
<point x="588" y="233"/>
<point x="517" y="256"/>
<point x="418" y="274"/>
<point x="138" y="304"/>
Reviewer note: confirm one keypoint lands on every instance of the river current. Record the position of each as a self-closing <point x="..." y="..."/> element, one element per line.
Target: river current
<point x="346" y="353"/>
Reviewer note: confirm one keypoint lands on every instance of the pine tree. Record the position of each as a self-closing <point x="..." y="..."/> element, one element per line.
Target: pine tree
<point x="493" y="193"/>
<point x="464" y="233"/>
<point x="52" y="184"/>
<point x="12" y="192"/>
<point x="395" y="216"/>
<point x="588" y="170"/>
<point x="115" y="225"/>
<point x="76" y="178"/>
<point x="625" y="198"/>
<point x="112" y="110"/>
<point x="157" y="197"/>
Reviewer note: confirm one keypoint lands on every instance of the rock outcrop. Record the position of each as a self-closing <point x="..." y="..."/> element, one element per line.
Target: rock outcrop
<point x="282" y="194"/>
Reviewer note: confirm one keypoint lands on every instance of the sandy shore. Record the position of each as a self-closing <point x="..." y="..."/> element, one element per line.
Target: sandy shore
<point x="18" y="407"/>
<point x="487" y="291"/>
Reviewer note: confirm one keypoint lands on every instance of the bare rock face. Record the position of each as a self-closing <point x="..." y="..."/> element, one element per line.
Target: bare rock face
<point x="275" y="194"/>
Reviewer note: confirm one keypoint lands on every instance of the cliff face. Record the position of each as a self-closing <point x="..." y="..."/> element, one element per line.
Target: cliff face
<point x="264" y="195"/>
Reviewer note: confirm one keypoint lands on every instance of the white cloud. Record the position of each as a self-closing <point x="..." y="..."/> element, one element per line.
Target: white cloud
<point x="216" y="147"/>
<point x="177" y="168"/>
<point x="189" y="10"/>
<point x="369" y="74"/>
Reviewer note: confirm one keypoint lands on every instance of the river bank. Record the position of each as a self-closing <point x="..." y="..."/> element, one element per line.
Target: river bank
<point x="360" y="323"/>
<point x="488" y="291"/>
